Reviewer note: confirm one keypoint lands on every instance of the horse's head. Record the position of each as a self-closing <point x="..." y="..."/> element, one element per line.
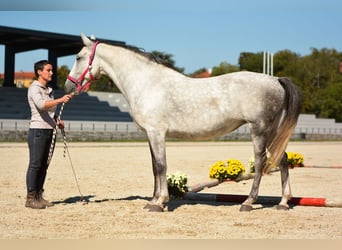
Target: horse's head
<point x="84" y="70"/>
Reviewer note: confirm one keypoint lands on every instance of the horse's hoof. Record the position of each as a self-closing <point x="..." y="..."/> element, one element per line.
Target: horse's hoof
<point x="153" y="208"/>
<point x="282" y="207"/>
<point x="246" y="208"/>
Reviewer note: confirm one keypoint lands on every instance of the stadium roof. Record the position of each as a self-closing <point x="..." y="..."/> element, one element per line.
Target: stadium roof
<point x="20" y="40"/>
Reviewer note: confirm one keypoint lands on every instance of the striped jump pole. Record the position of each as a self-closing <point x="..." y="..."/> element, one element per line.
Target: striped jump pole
<point x="200" y="186"/>
<point x="270" y="200"/>
<point x="321" y="166"/>
<point x="214" y="182"/>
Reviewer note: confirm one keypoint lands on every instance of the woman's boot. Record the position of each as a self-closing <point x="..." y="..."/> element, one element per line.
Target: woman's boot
<point x="45" y="202"/>
<point x="33" y="201"/>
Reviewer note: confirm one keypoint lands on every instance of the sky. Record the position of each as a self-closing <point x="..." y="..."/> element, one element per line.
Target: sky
<point x="198" y="33"/>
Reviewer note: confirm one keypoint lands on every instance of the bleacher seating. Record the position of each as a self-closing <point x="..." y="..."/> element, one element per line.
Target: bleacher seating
<point x="13" y="105"/>
<point x="113" y="99"/>
<point x="308" y="123"/>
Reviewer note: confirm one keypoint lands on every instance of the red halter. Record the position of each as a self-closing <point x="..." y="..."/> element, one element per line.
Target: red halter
<point x="78" y="82"/>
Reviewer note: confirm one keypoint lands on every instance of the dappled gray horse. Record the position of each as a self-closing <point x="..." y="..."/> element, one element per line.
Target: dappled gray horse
<point x="165" y="103"/>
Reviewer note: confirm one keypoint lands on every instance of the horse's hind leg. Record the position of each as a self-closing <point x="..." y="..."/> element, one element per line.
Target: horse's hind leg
<point x="158" y="154"/>
<point x="260" y="156"/>
<point x="285" y="184"/>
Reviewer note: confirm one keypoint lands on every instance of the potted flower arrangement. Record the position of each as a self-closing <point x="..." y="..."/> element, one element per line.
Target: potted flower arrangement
<point x="177" y="185"/>
<point x="229" y="169"/>
<point x="295" y="160"/>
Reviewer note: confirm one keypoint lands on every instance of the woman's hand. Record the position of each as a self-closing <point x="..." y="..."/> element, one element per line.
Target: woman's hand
<point x="60" y="124"/>
<point x="65" y="98"/>
<point x="55" y="102"/>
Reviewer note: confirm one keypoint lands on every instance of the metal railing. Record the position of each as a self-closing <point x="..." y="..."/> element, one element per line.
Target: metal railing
<point x="94" y="130"/>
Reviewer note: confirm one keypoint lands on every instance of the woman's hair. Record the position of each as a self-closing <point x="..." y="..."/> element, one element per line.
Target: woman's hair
<point x="40" y="66"/>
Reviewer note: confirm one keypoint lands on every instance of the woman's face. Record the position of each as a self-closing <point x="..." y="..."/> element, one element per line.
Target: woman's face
<point x="45" y="75"/>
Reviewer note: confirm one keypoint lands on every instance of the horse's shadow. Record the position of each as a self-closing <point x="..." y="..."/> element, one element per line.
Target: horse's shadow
<point x="170" y="206"/>
<point x="177" y="203"/>
<point x="174" y="204"/>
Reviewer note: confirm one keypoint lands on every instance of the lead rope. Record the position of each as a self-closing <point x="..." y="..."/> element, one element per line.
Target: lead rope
<point x="52" y="147"/>
<point x="66" y="150"/>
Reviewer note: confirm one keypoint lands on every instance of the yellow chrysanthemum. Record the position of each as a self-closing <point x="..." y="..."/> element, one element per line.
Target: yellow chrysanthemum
<point x="222" y="170"/>
<point x="295" y="159"/>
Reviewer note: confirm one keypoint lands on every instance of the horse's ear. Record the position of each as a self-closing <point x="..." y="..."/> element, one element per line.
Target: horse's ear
<point x="86" y="41"/>
<point x="92" y="37"/>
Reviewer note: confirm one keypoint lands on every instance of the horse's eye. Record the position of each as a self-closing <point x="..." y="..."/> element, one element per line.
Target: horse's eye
<point x="78" y="58"/>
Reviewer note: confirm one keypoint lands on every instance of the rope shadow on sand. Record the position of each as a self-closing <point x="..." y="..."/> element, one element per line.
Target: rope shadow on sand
<point x="89" y="199"/>
<point x="75" y="199"/>
<point x="134" y="197"/>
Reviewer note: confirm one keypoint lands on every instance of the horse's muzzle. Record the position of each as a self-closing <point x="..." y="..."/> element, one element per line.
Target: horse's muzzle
<point x="70" y="88"/>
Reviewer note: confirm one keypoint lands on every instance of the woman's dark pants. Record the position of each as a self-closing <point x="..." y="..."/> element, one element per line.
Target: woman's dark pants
<point x="39" y="142"/>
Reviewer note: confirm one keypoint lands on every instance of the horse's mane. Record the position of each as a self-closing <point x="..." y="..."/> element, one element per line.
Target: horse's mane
<point x="150" y="56"/>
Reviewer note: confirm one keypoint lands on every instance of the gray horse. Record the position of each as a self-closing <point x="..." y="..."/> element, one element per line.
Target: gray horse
<point x="165" y="103"/>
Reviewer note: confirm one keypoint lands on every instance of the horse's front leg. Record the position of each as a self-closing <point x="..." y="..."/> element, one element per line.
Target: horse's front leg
<point x="158" y="154"/>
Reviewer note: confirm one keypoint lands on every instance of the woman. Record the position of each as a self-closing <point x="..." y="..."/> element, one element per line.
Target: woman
<point x="43" y="121"/>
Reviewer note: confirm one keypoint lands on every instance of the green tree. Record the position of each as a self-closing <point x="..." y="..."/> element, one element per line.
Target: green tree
<point x="104" y="84"/>
<point x="331" y="102"/>
<point x="284" y="62"/>
<point x="323" y="66"/>
<point x="224" y="68"/>
<point x="251" y="61"/>
<point x="313" y="74"/>
<point x="167" y="60"/>
<point x="62" y="74"/>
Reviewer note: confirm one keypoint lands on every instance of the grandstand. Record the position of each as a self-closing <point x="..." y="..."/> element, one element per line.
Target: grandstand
<point x="105" y="116"/>
<point x="85" y="107"/>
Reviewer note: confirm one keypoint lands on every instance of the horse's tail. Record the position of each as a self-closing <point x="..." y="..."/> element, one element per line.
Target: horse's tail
<point x="284" y="129"/>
